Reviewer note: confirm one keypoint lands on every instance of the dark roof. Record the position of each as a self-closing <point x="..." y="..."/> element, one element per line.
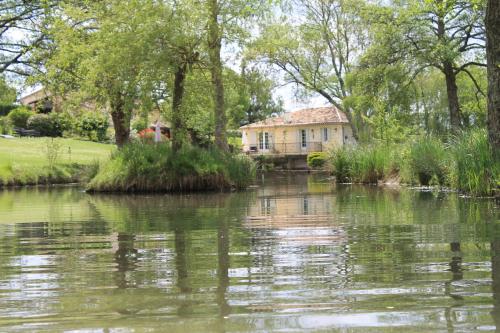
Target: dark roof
<point x="323" y="115"/>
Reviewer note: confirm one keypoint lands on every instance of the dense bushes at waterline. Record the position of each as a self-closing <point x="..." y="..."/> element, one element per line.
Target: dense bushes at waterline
<point x="141" y="167"/>
<point x="465" y="163"/>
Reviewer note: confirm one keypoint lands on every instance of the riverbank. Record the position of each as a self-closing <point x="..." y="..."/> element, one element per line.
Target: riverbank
<point x="139" y="167"/>
<point x="465" y="163"/>
<point x="36" y="161"/>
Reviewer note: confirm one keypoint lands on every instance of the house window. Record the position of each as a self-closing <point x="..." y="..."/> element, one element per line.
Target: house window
<point x="263" y="140"/>
<point x="303" y="138"/>
<point x="325" y="134"/>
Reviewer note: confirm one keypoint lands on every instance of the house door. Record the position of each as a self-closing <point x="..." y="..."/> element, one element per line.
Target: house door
<point x="264" y="141"/>
<point x="303" y="139"/>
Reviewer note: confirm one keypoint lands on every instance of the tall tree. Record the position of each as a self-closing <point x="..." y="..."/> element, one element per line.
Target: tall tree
<point x="493" y="57"/>
<point x="214" y="52"/>
<point x="445" y="34"/>
<point x="316" y="53"/>
<point x="97" y="50"/>
<point x="22" y="31"/>
<point x="227" y="23"/>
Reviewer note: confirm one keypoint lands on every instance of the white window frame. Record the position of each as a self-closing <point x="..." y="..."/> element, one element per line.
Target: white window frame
<point x="325" y="134"/>
<point x="264" y="141"/>
<point x="303" y="139"/>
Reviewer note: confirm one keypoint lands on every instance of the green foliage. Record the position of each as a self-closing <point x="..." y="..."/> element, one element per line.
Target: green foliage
<point x="142" y="167"/>
<point x="19" y="116"/>
<point x="317" y="160"/>
<point x="92" y="125"/>
<point x="476" y="172"/>
<point x="140" y="123"/>
<point x="7" y="94"/>
<point x="52" y="124"/>
<point x="5" y="125"/>
<point x="428" y="159"/>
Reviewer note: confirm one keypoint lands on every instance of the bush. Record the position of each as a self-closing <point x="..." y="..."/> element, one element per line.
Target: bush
<point x="428" y="159"/>
<point x="40" y="122"/>
<point x="19" y="116"/>
<point x="5" y="125"/>
<point x="92" y="125"/>
<point x="317" y="160"/>
<point x="476" y="172"/>
<point x="140" y="124"/>
<point x="140" y="167"/>
<point x="52" y="124"/>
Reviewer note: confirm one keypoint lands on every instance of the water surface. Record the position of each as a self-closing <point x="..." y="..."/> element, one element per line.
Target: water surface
<point x="296" y="253"/>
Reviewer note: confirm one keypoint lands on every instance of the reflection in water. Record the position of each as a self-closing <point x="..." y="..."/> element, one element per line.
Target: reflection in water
<point x="296" y="253"/>
<point x="495" y="275"/>
<point x="125" y="258"/>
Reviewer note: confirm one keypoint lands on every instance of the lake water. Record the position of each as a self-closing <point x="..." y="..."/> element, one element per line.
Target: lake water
<point x="293" y="254"/>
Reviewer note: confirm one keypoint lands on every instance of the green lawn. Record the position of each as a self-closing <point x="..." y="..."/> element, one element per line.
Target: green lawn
<point x="25" y="161"/>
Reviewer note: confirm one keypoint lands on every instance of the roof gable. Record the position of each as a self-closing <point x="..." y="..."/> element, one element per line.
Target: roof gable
<point x="310" y="116"/>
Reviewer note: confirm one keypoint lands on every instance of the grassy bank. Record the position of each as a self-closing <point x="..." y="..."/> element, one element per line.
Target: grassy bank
<point x="31" y="161"/>
<point x="155" y="168"/>
<point x="464" y="163"/>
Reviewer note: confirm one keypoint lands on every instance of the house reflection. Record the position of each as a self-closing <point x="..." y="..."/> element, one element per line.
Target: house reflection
<point x="306" y="218"/>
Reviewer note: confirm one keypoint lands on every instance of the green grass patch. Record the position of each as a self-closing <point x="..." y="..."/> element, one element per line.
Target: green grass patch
<point x="31" y="161"/>
<point x="141" y="167"/>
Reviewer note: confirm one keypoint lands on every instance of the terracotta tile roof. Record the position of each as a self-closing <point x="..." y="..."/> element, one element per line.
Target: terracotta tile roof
<point x="324" y="115"/>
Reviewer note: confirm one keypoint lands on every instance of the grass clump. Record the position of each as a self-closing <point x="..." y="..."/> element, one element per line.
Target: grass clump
<point x="475" y="169"/>
<point x="362" y="164"/>
<point x="141" y="167"/>
<point x="427" y="160"/>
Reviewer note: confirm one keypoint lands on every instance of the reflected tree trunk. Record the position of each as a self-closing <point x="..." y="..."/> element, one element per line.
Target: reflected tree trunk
<point x="125" y="258"/>
<point x="181" y="266"/>
<point x="495" y="275"/>
<point x="223" y="267"/>
<point x="457" y="274"/>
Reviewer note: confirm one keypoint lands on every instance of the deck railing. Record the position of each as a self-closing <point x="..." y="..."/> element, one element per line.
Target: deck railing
<point x="287" y="148"/>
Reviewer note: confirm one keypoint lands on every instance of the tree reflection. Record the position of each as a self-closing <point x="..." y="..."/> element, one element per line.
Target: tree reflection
<point x="495" y="275"/>
<point x="125" y="259"/>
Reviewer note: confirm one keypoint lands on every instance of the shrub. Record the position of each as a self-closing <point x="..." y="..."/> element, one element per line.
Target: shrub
<point x="92" y="125"/>
<point x="5" y="125"/>
<point x="476" y="172"/>
<point x="61" y="122"/>
<point x="427" y="160"/>
<point x="317" y="160"/>
<point x="19" y="116"/>
<point x="140" y="124"/>
<point x="140" y="167"/>
<point x="40" y="122"/>
<point x="53" y="124"/>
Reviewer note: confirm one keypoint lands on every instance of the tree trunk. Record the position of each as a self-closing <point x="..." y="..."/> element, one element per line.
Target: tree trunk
<point x="178" y="128"/>
<point x="493" y="57"/>
<point x="214" y="49"/>
<point x="452" y="90"/>
<point x="121" y="122"/>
